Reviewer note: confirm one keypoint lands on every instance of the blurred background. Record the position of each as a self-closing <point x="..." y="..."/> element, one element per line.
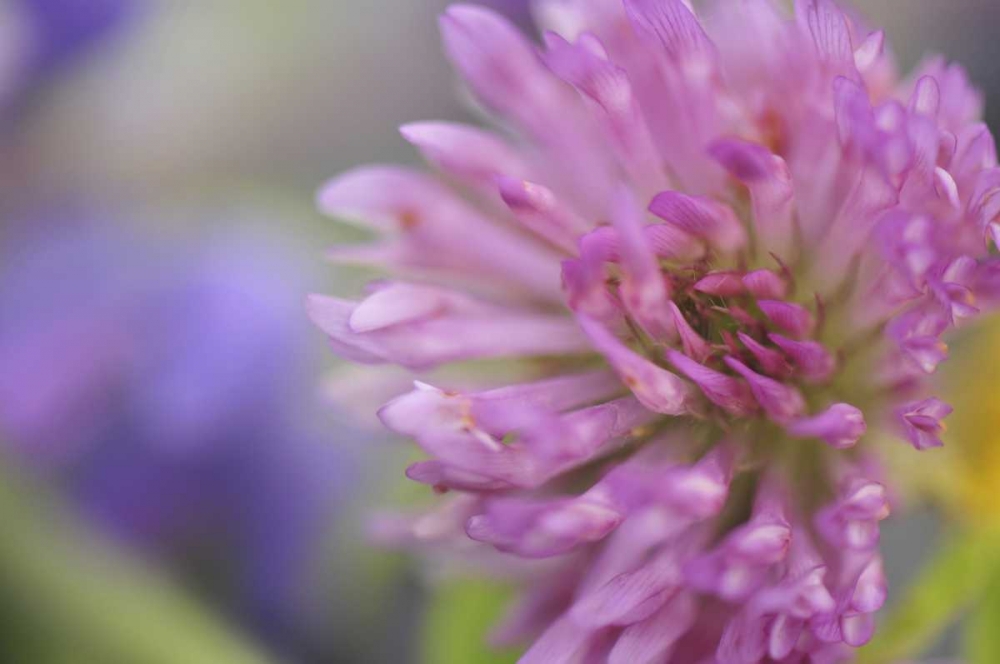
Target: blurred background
<point x="176" y="483"/>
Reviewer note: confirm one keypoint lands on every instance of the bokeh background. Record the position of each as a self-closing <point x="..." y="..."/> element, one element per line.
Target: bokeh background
<point x="181" y="479"/>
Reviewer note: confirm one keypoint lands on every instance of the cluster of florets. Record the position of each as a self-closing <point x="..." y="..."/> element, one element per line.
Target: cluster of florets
<point x="725" y="249"/>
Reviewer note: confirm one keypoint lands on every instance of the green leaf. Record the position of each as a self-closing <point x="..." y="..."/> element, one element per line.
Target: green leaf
<point x="982" y="631"/>
<point x="458" y="620"/>
<point x="954" y="579"/>
<point x="67" y="596"/>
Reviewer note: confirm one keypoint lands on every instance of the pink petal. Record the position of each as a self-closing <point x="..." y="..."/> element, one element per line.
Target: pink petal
<point x="657" y="389"/>
<point x="781" y="402"/>
<point x="727" y="392"/>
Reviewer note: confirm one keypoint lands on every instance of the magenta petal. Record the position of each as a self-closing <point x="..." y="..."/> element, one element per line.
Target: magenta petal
<point x="652" y="639"/>
<point x="812" y="360"/>
<point x="771" y="361"/>
<point x="762" y="543"/>
<point x="694" y="346"/>
<point x="830" y="32"/>
<point x="536" y="529"/>
<point x="437" y="473"/>
<point x="855" y="117"/>
<point x="781" y="402"/>
<point x="463" y="329"/>
<point x="740" y="564"/>
<point x="564" y="642"/>
<point x="673" y="23"/>
<point x="857" y="629"/>
<point x="947" y="189"/>
<point x="985" y="207"/>
<point x="871" y="591"/>
<point x="745" y="161"/>
<point x="430" y="228"/>
<point x="555" y="394"/>
<point x="702" y="217"/>
<point x="700" y="491"/>
<point x="657" y="389"/>
<point x="643" y="289"/>
<point x="538" y="210"/>
<point x="867" y="55"/>
<point x="921" y="422"/>
<point x="801" y="594"/>
<point x="441" y="524"/>
<point x="332" y="316"/>
<point x="852" y="521"/>
<point x="743" y="641"/>
<point x="498" y="63"/>
<point x="633" y="596"/>
<point x="578" y="436"/>
<point x="468" y="440"/>
<point x="765" y="284"/>
<point x="841" y="426"/>
<point x="427" y="409"/>
<point x="468" y="153"/>
<point x="666" y="240"/>
<point x="466" y="460"/>
<point x="587" y="293"/>
<point x="783" y="635"/>
<point x="586" y="66"/>
<point x="927" y="352"/>
<point x="397" y="304"/>
<point x="726" y="284"/>
<point x="669" y="241"/>
<point x="770" y="184"/>
<point x="727" y="392"/>
<point x="788" y="316"/>
<point x="926" y="98"/>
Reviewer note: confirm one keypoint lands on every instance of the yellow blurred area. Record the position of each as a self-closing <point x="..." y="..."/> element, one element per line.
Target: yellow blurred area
<point x="966" y="473"/>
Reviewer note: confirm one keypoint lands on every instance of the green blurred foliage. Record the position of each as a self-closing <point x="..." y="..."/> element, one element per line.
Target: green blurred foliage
<point x="982" y="632"/>
<point x="954" y="580"/>
<point x="458" y="621"/>
<point x="66" y="597"/>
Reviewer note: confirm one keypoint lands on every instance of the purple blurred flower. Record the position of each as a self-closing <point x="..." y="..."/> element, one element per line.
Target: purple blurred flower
<point x="719" y="252"/>
<point x="41" y="37"/>
<point x="159" y="384"/>
<point x="62" y="29"/>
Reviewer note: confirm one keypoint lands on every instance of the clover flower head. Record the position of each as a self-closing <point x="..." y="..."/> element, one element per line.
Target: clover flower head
<point x="720" y="251"/>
